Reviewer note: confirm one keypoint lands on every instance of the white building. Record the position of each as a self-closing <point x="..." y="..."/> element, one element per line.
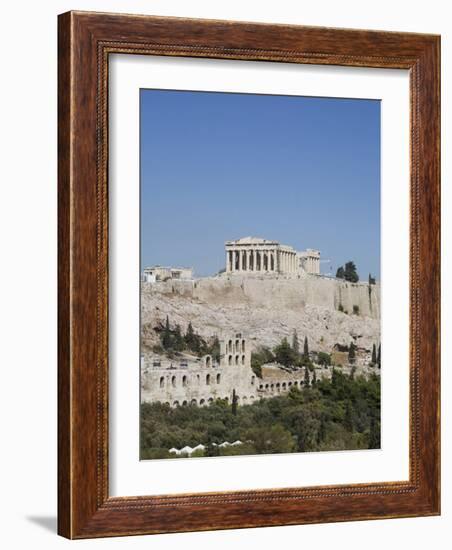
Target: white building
<point x="160" y="273"/>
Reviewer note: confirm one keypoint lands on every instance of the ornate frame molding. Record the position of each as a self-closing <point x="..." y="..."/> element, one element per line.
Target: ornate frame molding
<point x="85" y="42"/>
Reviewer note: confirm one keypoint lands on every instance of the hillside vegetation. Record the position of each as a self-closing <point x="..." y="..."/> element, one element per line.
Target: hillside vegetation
<point x="338" y="414"/>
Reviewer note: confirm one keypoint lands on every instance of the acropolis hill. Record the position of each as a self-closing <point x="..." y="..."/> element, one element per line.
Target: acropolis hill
<point x="267" y="290"/>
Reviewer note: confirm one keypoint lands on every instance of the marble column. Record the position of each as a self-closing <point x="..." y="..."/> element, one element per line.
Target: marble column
<point x="240" y="259"/>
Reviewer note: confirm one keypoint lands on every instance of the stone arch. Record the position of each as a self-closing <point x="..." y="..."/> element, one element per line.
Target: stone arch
<point x="244" y="400"/>
<point x="236" y="359"/>
<point x="237" y="345"/>
<point x="173" y="381"/>
<point x="176" y="403"/>
<point x="167" y="403"/>
<point x="208" y="379"/>
<point x="218" y="378"/>
<point x="202" y="401"/>
<point x="162" y="381"/>
<point x="193" y="402"/>
<point x="295" y="383"/>
<point x="184" y="381"/>
<point x="210" y="400"/>
<point x="230" y="346"/>
<point x="184" y="403"/>
<point x="198" y="379"/>
<point x="289" y="384"/>
<point x="261" y="386"/>
<point x="266" y="386"/>
<point x="252" y="398"/>
<point x="243" y="359"/>
<point x="230" y="360"/>
<point x="243" y="346"/>
<point x="208" y="361"/>
<point x="283" y="386"/>
<point x="278" y="387"/>
<point x="226" y="399"/>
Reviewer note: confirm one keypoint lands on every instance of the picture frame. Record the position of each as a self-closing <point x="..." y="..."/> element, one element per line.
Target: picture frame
<point x="85" y="508"/>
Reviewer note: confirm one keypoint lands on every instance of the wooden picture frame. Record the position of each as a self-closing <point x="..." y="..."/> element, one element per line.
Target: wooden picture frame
<point x="85" y="42"/>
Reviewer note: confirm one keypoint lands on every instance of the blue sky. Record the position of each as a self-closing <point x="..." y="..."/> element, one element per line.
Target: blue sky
<point x="218" y="166"/>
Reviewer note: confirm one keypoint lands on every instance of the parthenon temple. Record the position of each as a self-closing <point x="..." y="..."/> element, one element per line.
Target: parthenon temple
<point x="251" y="254"/>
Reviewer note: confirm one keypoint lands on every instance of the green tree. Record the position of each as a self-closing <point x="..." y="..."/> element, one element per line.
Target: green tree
<point x="348" y="416"/>
<point x="306" y="377"/>
<point x="323" y="358"/>
<point x="211" y="450"/>
<point x="166" y="338"/>
<point x="270" y="440"/>
<point x="374" y="354"/>
<point x="234" y="403"/>
<point x="295" y="343"/>
<point x="179" y="343"/>
<point x="215" y="349"/>
<point x="306" y="349"/>
<point x="379" y="356"/>
<point x="350" y="273"/>
<point x="259" y="357"/>
<point x="192" y="340"/>
<point x="374" y="434"/>
<point x="340" y="273"/>
<point x="321" y="433"/>
<point x="314" y="378"/>
<point x="352" y="353"/>
<point x="284" y="354"/>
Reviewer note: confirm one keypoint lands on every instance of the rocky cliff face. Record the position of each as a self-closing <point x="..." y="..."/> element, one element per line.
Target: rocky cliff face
<point x="266" y="309"/>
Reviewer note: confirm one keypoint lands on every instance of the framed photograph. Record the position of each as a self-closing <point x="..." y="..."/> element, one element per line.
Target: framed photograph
<point x="248" y="275"/>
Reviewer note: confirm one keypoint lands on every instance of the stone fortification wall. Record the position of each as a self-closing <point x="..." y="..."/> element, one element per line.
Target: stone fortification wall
<point x="278" y="292"/>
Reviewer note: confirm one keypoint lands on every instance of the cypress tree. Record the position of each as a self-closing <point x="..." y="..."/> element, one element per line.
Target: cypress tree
<point x="306" y="377"/>
<point x="178" y="339"/>
<point x="234" y="402"/>
<point x="340" y="273"/>
<point x="295" y="342"/>
<point x="190" y="338"/>
<point x="166" y="336"/>
<point x="306" y="349"/>
<point x="352" y="353"/>
<point x="374" y="355"/>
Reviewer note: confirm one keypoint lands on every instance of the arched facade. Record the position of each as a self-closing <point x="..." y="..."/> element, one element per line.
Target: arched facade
<point x="204" y="380"/>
